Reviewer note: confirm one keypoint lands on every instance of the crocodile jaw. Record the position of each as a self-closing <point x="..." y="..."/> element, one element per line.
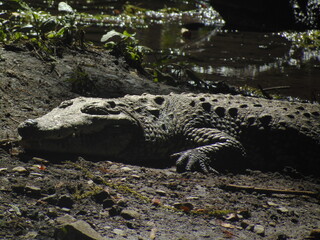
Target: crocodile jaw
<point x="72" y="131"/>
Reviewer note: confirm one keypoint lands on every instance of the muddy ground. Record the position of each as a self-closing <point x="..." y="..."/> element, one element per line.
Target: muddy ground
<point x="80" y="199"/>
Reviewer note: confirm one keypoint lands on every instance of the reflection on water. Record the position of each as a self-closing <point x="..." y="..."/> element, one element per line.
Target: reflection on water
<point x="239" y="58"/>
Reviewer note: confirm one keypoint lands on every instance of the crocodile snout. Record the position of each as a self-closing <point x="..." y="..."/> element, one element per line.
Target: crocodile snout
<point x="28" y="128"/>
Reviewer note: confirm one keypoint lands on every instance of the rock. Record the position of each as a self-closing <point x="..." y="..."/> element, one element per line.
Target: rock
<point x="282" y="236"/>
<point x="259" y="229"/>
<point x="3" y="170"/>
<point x="122" y="202"/>
<point x="272" y="204"/>
<point x="125" y="169"/>
<point x="115" y="210"/>
<point x="135" y="176"/>
<point x="119" y="232"/>
<point x="77" y="230"/>
<point x="107" y="203"/>
<point x="273" y="224"/>
<point x="65" y="201"/>
<point x="187" y="207"/>
<point x="161" y="192"/>
<point x="315" y="234"/>
<point x="30" y="235"/>
<point x="33" y="191"/>
<point x="245" y="223"/>
<point x="129" y="214"/>
<point x="52" y="212"/>
<point x="20" y="169"/>
<point x="65" y="219"/>
<point x="282" y="210"/>
<point x="101" y="196"/>
<point x="231" y="217"/>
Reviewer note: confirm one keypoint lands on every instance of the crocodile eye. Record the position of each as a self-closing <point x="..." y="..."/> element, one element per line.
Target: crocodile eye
<point x="65" y="104"/>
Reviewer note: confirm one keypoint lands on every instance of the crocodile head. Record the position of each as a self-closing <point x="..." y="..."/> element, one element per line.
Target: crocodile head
<point x="87" y="126"/>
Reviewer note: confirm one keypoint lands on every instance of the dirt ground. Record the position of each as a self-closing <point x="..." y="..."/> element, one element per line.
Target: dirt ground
<point x="80" y="199"/>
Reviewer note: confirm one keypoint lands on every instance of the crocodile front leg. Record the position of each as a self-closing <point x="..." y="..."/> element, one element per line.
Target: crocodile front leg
<point x="215" y="148"/>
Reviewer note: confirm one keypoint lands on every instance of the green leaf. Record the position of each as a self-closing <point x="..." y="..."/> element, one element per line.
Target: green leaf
<point x="110" y="35"/>
<point x="64" y="7"/>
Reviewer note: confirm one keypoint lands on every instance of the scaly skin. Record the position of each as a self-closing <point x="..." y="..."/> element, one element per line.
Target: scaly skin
<point x="203" y="132"/>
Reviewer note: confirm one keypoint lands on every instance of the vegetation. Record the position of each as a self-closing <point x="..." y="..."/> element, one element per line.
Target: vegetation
<point x="126" y="45"/>
<point x="309" y="39"/>
<point x="40" y="30"/>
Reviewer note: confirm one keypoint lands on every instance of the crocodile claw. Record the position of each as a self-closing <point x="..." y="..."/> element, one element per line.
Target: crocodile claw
<point x="193" y="160"/>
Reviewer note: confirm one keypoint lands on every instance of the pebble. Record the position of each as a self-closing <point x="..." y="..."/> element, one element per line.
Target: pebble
<point x="65" y="201"/>
<point x="245" y="223"/>
<point x="126" y="169"/>
<point x="259" y="229"/>
<point x="315" y="234"/>
<point x="161" y="192"/>
<point x="273" y="224"/>
<point x="20" y="169"/>
<point x="272" y="204"/>
<point x="135" y="176"/>
<point x="119" y="232"/>
<point x="282" y="210"/>
<point x="101" y="196"/>
<point x="129" y="214"/>
<point x="3" y="170"/>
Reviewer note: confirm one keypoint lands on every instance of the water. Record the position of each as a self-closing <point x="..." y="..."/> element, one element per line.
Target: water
<point x="238" y="58"/>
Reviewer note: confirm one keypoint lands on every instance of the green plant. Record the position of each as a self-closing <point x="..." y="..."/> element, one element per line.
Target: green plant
<point x="126" y="45"/>
<point x="43" y="32"/>
<point x="309" y="39"/>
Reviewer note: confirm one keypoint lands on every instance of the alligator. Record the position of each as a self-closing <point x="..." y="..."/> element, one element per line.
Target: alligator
<point x="198" y="132"/>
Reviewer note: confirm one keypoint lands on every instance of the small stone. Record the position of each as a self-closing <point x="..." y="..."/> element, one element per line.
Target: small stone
<point x="135" y="176"/>
<point x="65" y="201"/>
<point x="186" y="207"/>
<point x="114" y="167"/>
<point x="273" y="224"/>
<point x="119" y="232"/>
<point x="33" y="191"/>
<point x="129" y="214"/>
<point x="20" y="169"/>
<point x="161" y="192"/>
<point x="243" y="213"/>
<point x="282" y="236"/>
<point x="282" y="210"/>
<point x="100" y="197"/>
<point x="245" y="223"/>
<point x="107" y="203"/>
<point x="122" y="202"/>
<point x="259" y="229"/>
<point x="232" y="217"/>
<point x="272" y="204"/>
<point x="36" y="174"/>
<point x="3" y="170"/>
<point x="30" y="235"/>
<point x="66" y="210"/>
<point x="65" y="219"/>
<point x="192" y="198"/>
<point x="125" y="169"/>
<point x="39" y="160"/>
<point x="315" y="234"/>
<point x="52" y="212"/>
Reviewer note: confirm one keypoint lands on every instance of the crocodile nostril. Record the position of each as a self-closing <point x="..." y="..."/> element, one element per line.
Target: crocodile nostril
<point x="30" y="123"/>
<point x="27" y="127"/>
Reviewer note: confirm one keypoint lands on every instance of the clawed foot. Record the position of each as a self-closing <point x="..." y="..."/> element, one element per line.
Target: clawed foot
<point x="193" y="160"/>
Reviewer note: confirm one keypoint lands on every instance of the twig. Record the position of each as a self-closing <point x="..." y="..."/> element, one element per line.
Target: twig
<point x="234" y="187"/>
<point x="276" y="88"/>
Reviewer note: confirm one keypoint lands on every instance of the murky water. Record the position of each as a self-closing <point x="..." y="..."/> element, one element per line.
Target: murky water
<point x="239" y="58"/>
